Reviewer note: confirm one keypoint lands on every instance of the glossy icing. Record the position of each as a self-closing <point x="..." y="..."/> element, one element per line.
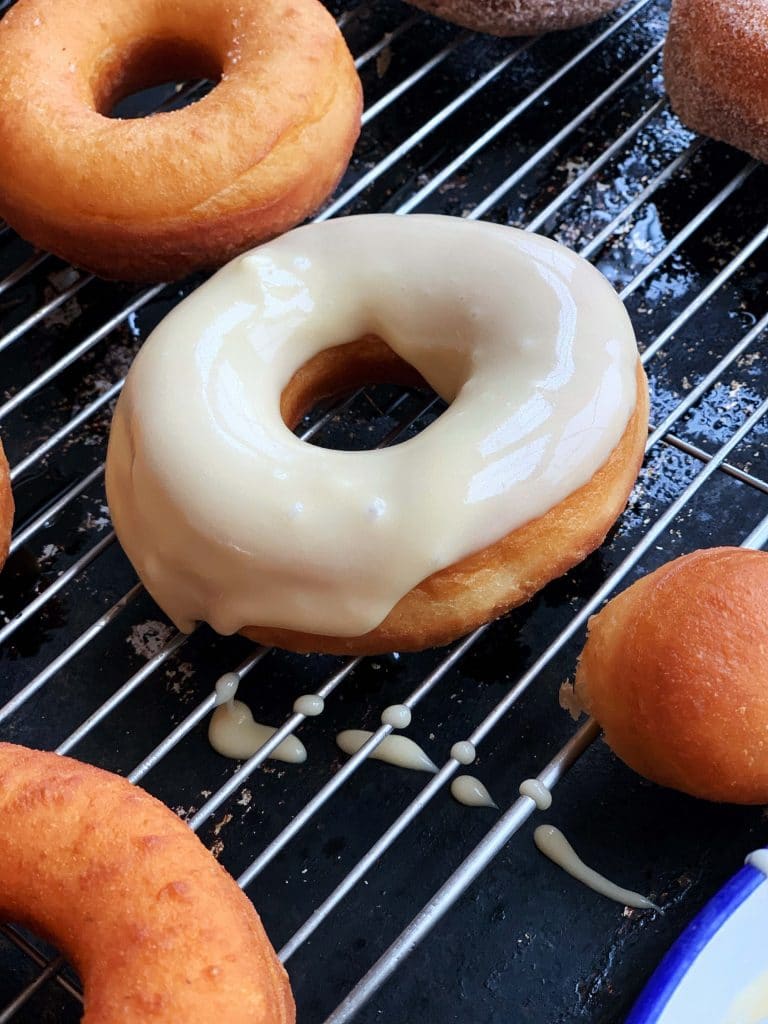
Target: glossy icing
<point x="229" y="518"/>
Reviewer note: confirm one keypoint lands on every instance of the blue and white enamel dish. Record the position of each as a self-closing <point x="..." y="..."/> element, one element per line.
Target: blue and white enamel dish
<point x="717" y="971"/>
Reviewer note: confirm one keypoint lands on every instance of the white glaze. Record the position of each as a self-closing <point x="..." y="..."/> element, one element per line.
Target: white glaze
<point x="751" y="1007"/>
<point x="309" y="704"/>
<point x="396" y="715"/>
<point x="470" y="791"/>
<point x="553" y="844"/>
<point x="536" y="791"/>
<point x="229" y="518"/>
<point x="232" y="732"/>
<point x="226" y="687"/>
<point x="397" y="750"/>
<point x="464" y="752"/>
<point x="758" y="859"/>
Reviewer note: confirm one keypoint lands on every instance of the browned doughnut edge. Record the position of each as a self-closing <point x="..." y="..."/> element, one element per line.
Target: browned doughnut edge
<point x="6" y="507"/>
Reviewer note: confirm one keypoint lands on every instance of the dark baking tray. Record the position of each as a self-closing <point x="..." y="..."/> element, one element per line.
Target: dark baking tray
<point x="524" y="943"/>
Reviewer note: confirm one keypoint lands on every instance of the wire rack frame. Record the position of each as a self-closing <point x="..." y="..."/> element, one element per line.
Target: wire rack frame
<point x="665" y="435"/>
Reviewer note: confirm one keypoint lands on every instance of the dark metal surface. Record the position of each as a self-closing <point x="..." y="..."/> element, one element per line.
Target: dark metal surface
<point x="525" y="943"/>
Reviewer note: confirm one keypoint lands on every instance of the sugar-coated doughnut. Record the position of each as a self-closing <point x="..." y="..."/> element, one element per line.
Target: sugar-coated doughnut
<point x="229" y="518"/>
<point x="157" y="197"/>
<point x="156" y="928"/>
<point x="517" y="17"/>
<point x="675" y="670"/>
<point x="6" y="507"/>
<point x="716" y="70"/>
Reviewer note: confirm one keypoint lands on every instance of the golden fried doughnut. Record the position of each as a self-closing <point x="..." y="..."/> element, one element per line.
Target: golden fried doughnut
<point x="675" y="670"/>
<point x="156" y="928"/>
<point x="716" y="70"/>
<point x="231" y="519"/>
<point x="517" y="17"/>
<point x="155" y="198"/>
<point x="6" y="507"/>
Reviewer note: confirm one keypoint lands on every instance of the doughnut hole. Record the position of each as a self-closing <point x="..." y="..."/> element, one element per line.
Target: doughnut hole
<point x="675" y="670"/>
<point x="125" y="85"/>
<point x="336" y="372"/>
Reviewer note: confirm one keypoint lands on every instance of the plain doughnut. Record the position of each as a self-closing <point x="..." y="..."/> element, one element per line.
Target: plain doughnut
<point x="675" y="670"/>
<point x="517" y="17"/>
<point x="154" y="198"/>
<point x="230" y="519"/>
<point x="716" y="70"/>
<point x="157" y="929"/>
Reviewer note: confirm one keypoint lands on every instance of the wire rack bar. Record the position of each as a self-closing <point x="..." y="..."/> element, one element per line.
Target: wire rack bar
<point x="540" y="221"/>
<point x="37" y="957"/>
<point x="416" y="76"/>
<point x="40" y="520"/>
<point x="86" y="345"/>
<point x="544" y="151"/>
<point x="77" y="421"/>
<point x="685" y="233"/>
<point x="465" y="874"/>
<point x="62" y="580"/>
<point x="17" y="275"/>
<point x="422" y="133"/>
<point x="706" y="382"/>
<point x="34" y="685"/>
<point x="45" y="310"/>
<point x="677" y="165"/>
<point x="725" y="467"/>
<point x="387" y="40"/>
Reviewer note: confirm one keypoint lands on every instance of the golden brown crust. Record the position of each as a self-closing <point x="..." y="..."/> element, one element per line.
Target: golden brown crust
<point x="154" y="198"/>
<point x="518" y="17"/>
<point x="6" y="507"/>
<point x="676" y="673"/>
<point x="716" y="70"/>
<point x="155" y="926"/>
<point x="457" y="599"/>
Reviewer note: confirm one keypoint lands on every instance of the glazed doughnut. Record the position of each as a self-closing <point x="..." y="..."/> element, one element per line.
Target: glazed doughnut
<point x="716" y="70"/>
<point x="6" y="507"/>
<point x="676" y="673"/>
<point x="157" y="197"/>
<point x="154" y="925"/>
<point x="517" y="17"/>
<point x="229" y="518"/>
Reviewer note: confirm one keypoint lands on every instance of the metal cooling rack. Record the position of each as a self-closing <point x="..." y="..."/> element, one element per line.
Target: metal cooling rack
<point x="353" y="864"/>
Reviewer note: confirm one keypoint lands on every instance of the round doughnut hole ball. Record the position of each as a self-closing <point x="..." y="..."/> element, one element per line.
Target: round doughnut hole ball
<point x="675" y="670"/>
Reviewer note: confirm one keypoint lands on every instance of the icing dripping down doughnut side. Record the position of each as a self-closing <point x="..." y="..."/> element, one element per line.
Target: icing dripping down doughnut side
<point x="229" y="518"/>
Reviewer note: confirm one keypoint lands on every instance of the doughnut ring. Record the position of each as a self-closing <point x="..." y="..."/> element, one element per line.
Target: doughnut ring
<point x="229" y="518"/>
<point x="157" y="197"/>
<point x="154" y="925"/>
